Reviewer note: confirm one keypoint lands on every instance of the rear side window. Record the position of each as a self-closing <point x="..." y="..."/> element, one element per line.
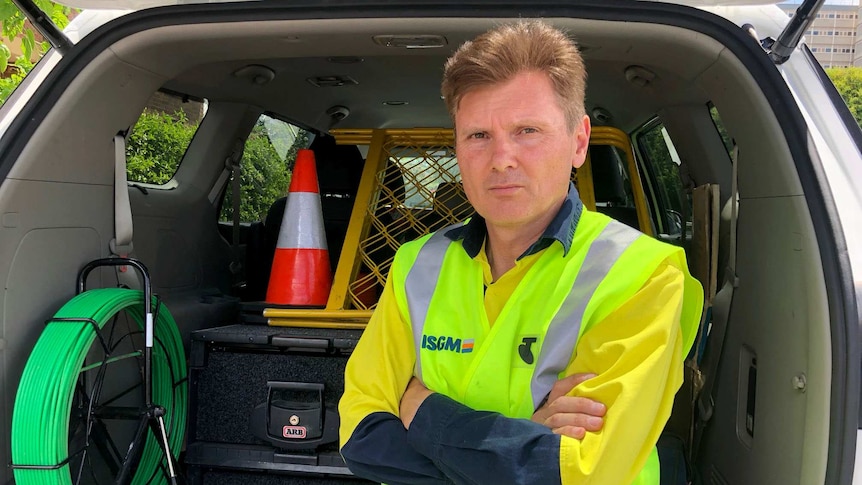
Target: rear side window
<point x="267" y="162"/>
<point x="719" y="126"/>
<point x="425" y="169"/>
<point x="669" y="203"/>
<point x="157" y="142"/>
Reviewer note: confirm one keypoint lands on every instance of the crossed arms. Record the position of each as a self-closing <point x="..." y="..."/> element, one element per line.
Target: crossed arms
<point x="395" y="431"/>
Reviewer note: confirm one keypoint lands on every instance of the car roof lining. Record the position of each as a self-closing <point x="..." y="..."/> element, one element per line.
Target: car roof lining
<point x="199" y="60"/>
<point x="204" y="57"/>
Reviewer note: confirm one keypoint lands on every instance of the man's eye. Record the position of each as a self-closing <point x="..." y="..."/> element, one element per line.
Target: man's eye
<point x="477" y="135"/>
<point x="529" y="130"/>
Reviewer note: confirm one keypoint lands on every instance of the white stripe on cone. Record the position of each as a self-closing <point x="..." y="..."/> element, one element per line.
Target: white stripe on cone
<point x="302" y="224"/>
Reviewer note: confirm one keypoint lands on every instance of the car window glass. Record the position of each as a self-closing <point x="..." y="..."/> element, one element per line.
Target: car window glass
<point x="719" y="126"/>
<point x="267" y="161"/>
<point x="424" y="170"/>
<point x="157" y="142"/>
<point x="670" y="205"/>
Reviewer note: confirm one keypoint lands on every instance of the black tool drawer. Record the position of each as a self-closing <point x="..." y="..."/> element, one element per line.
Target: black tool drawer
<point x="263" y="405"/>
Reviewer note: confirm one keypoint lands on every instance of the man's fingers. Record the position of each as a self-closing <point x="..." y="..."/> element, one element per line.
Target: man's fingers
<point x="566" y="384"/>
<point x="583" y="421"/>
<point x="575" y="379"/>
<point x="582" y="405"/>
<point x="575" y="411"/>
<point x="571" y="431"/>
<point x="571" y="415"/>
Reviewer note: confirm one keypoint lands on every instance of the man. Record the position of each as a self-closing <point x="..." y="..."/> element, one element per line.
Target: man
<point x="496" y="345"/>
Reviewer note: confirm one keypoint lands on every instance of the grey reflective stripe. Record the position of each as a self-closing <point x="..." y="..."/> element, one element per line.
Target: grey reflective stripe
<point x="562" y="335"/>
<point x="302" y="223"/>
<point x="421" y="282"/>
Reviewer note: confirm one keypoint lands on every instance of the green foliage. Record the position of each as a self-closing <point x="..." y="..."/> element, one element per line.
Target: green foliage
<point x="158" y="142"/>
<point x="670" y="191"/>
<point x="848" y="82"/>
<point x="722" y="131"/>
<point x="666" y="171"/>
<point x="13" y="26"/>
<point x="156" y="145"/>
<point x="265" y="175"/>
<point x="21" y="67"/>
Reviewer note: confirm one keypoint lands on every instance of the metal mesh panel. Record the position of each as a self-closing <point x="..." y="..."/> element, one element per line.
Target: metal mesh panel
<point x="417" y="190"/>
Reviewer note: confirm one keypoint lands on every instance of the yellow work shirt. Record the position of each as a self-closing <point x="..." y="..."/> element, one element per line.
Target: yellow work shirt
<point x="638" y="373"/>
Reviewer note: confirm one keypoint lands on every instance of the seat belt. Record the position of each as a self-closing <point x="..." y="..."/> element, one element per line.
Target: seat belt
<point x="720" y="316"/>
<point x="233" y="169"/>
<point x="121" y="245"/>
<point x="233" y="163"/>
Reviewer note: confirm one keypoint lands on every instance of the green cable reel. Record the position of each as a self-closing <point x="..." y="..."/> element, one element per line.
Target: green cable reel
<point x="43" y="405"/>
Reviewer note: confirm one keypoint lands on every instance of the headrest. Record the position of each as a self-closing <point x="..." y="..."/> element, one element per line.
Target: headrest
<point x="450" y="197"/>
<point x="339" y="167"/>
<point x="607" y="179"/>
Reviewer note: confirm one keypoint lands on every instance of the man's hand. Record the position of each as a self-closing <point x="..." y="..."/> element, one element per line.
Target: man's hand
<point x="413" y="397"/>
<point x="568" y="415"/>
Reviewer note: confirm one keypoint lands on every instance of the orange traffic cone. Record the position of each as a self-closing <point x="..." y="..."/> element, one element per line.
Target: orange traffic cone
<point x="300" y="269"/>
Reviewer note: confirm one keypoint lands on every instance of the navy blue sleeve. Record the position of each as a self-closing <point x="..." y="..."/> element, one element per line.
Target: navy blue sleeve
<point x="378" y="451"/>
<point x="471" y="446"/>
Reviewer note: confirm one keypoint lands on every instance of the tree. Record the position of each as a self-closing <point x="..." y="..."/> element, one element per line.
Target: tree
<point x="848" y="82"/>
<point x="265" y="174"/>
<point x="15" y="27"/>
<point x="158" y="141"/>
<point x="156" y="145"/>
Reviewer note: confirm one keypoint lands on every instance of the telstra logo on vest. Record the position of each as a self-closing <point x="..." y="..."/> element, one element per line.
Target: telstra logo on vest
<point x="442" y="342"/>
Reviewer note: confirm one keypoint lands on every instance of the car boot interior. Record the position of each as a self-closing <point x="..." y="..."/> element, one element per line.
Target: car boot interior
<point x="296" y="64"/>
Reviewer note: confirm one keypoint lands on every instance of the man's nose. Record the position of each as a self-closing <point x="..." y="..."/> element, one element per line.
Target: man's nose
<point x="502" y="153"/>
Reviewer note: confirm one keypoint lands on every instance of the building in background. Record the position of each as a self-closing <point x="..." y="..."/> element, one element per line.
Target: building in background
<point x="834" y="38"/>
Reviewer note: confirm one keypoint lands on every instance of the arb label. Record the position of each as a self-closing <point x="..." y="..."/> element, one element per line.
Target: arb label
<point x="295" y="432"/>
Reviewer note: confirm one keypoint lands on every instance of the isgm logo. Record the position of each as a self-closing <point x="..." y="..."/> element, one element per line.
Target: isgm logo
<point x="442" y="342"/>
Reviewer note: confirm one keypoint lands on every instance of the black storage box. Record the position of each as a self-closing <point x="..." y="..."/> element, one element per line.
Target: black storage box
<point x="263" y="405"/>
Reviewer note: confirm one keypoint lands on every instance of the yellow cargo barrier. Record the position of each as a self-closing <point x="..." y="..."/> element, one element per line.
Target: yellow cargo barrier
<point x="288" y="313"/>
<point x="288" y="317"/>
<point x="283" y="322"/>
<point x="410" y="186"/>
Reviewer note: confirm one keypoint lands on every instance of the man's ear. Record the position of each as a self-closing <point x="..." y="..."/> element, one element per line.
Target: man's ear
<point x="582" y="142"/>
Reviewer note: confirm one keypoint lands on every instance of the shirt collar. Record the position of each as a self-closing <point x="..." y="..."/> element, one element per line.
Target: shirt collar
<point x="562" y="229"/>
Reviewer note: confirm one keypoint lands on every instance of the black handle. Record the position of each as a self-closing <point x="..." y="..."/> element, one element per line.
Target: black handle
<point x="145" y="274"/>
<point x="301" y="342"/>
<point x="295" y="386"/>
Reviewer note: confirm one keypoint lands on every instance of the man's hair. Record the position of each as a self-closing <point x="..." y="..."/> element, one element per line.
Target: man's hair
<point x="500" y="54"/>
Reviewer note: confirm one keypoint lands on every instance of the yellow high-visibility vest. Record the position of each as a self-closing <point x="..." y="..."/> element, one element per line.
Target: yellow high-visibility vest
<point x="511" y="366"/>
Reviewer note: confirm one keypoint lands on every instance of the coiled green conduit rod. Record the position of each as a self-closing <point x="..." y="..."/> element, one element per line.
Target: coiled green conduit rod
<point x="40" y="421"/>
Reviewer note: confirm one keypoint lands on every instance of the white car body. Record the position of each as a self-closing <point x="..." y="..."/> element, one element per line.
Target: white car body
<point x="806" y="196"/>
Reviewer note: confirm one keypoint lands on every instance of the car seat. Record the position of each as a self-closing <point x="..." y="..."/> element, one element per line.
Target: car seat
<point x="609" y="187"/>
<point x="450" y="205"/>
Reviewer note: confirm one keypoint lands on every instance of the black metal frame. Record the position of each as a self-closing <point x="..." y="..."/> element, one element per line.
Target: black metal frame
<point x="44" y="25"/>
<point x="151" y="415"/>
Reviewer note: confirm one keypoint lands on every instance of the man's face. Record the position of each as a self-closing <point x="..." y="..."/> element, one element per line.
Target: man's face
<point x="515" y="150"/>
